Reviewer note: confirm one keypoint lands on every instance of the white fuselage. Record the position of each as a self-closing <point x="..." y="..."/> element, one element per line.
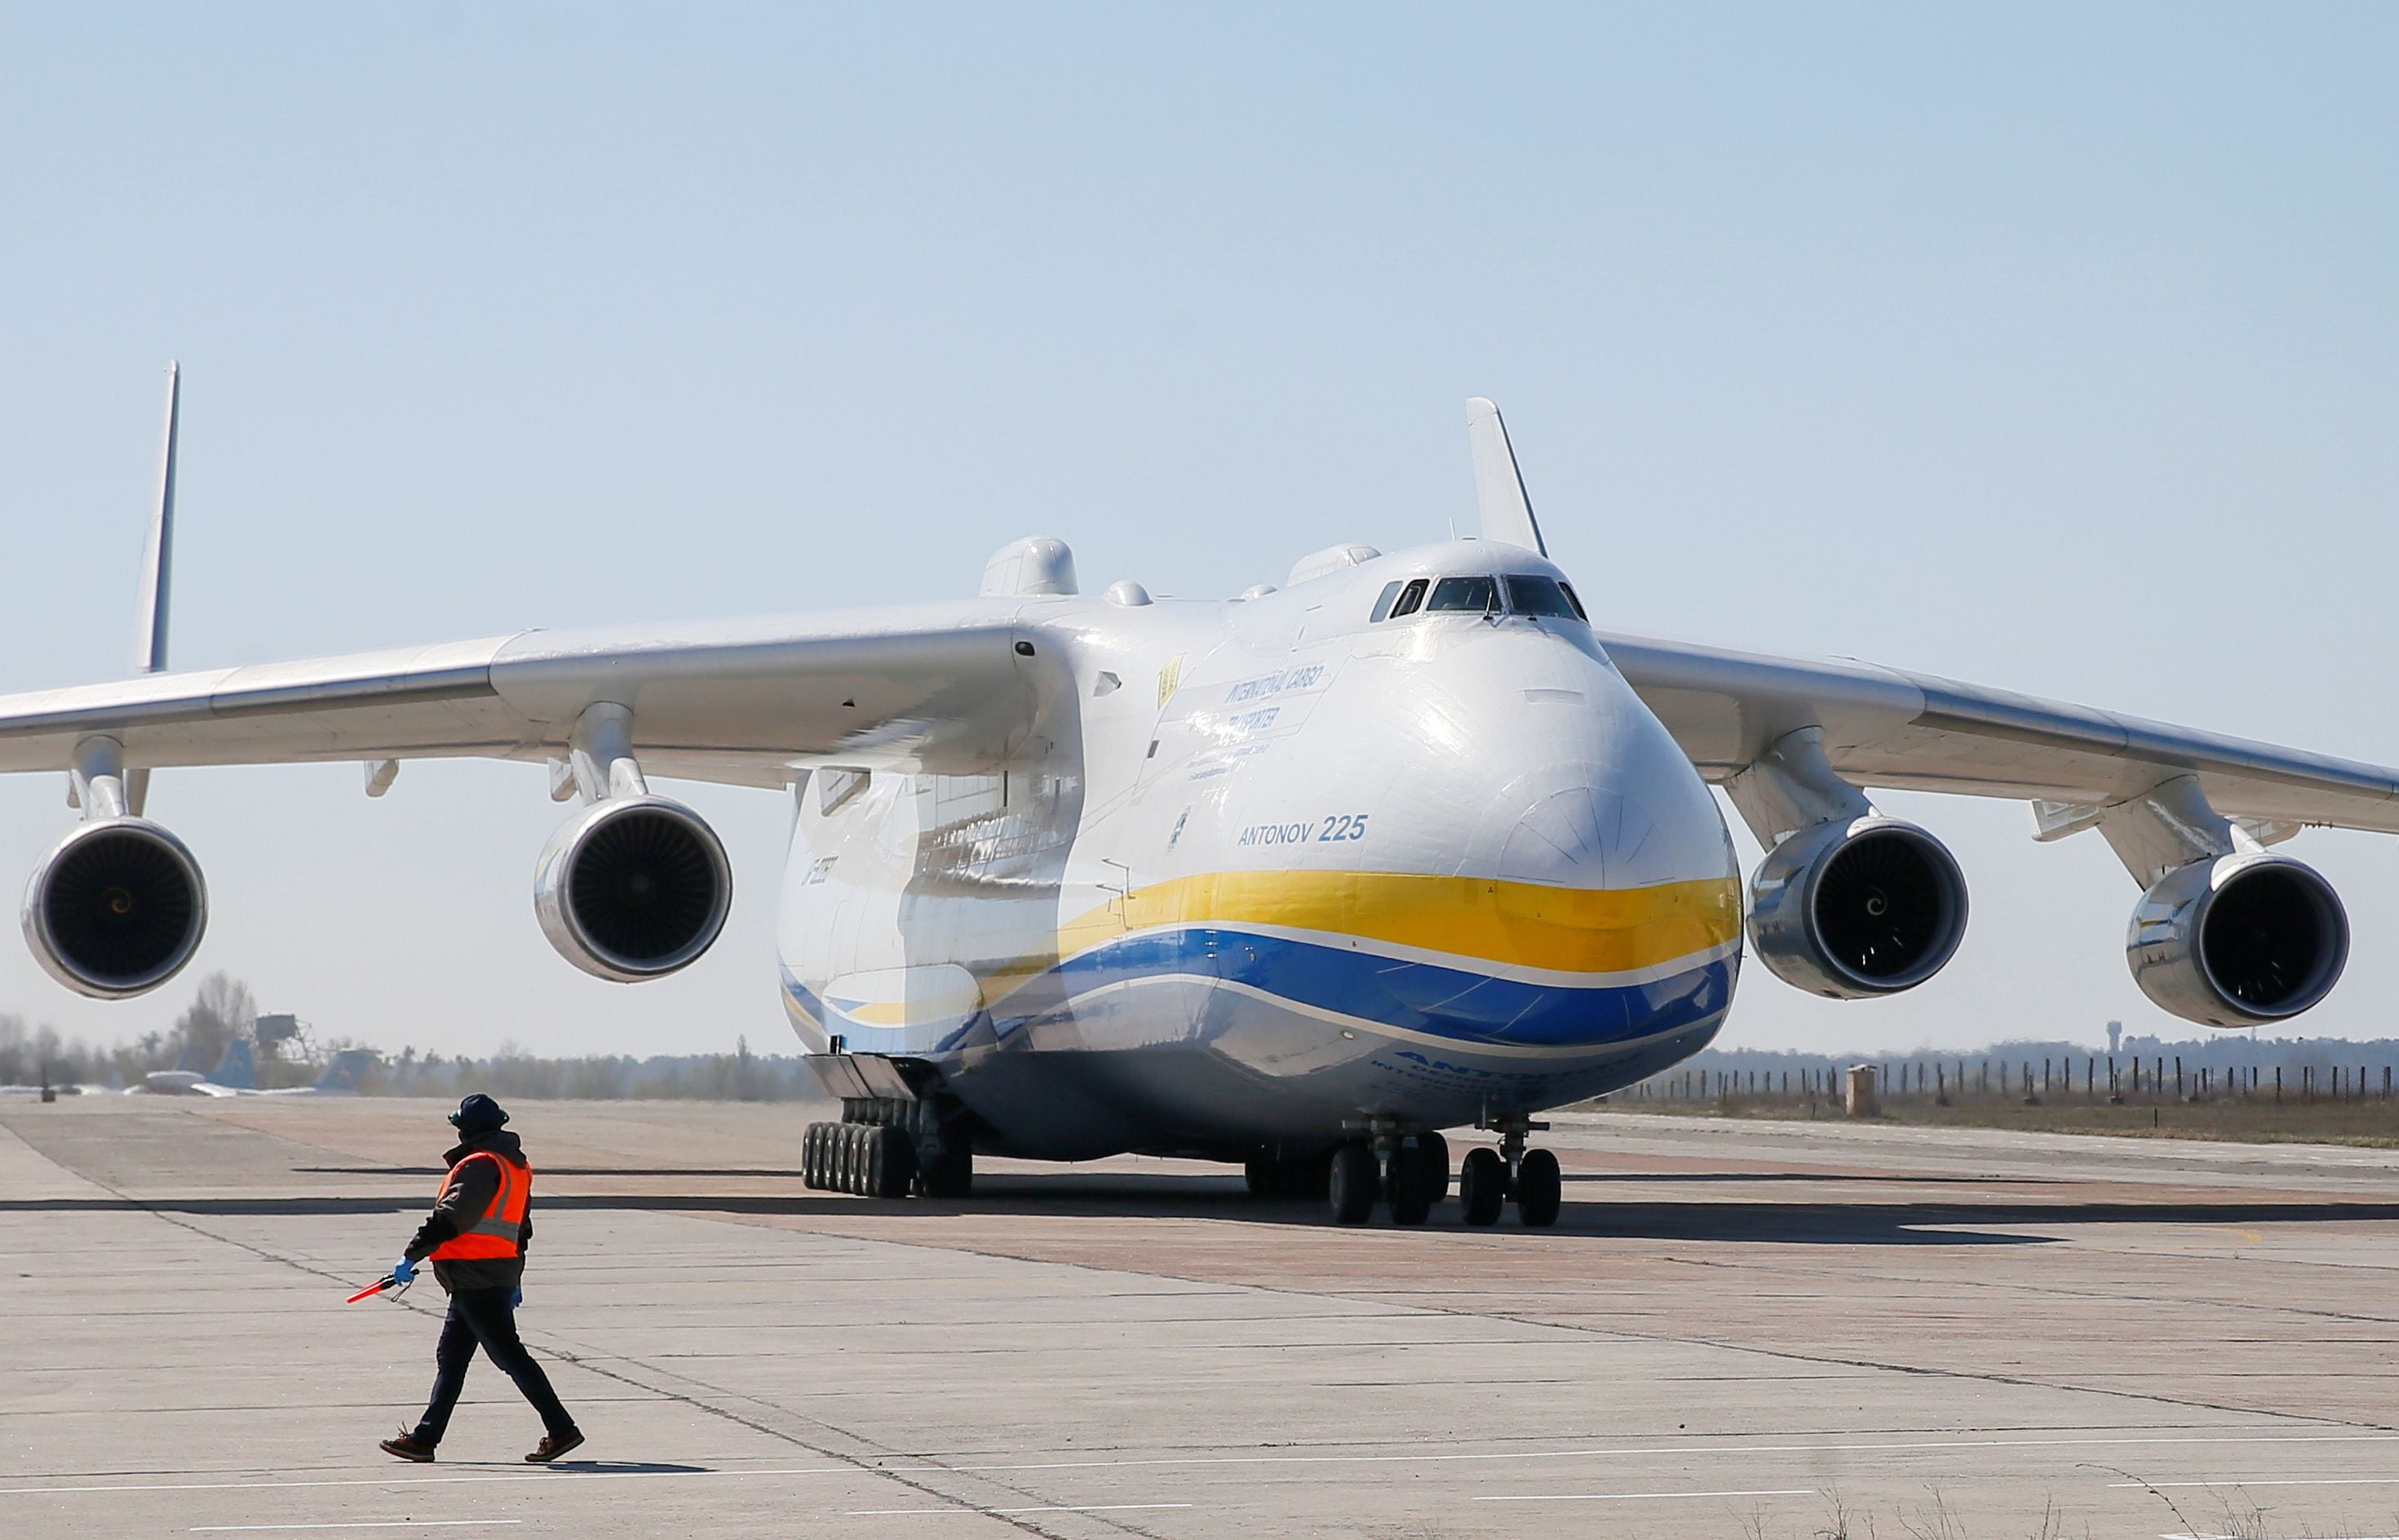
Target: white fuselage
<point x="1272" y="867"/>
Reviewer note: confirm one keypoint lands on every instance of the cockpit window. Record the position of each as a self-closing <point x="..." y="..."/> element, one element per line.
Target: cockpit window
<point x="1535" y="595"/>
<point x="1464" y="593"/>
<point x="1580" y="614"/>
<point x="1411" y="599"/>
<point x="1382" y="605"/>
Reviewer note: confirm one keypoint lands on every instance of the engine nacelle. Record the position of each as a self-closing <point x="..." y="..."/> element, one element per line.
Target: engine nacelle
<point x="2238" y="940"/>
<point x="117" y="908"/>
<point x="1857" y="908"/>
<point x="632" y="888"/>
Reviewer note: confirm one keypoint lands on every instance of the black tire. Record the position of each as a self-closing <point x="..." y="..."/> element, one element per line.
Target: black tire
<point x="852" y="1155"/>
<point x="895" y="1163"/>
<point x="1312" y="1176"/>
<point x="950" y="1174"/>
<point x="1267" y="1177"/>
<point x="1408" y="1182"/>
<point x="1537" y="1190"/>
<point x="1434" y="1150"/>
<point x="809" y="1140"/>
<point x="1482" y="1186"/>
<point x="872" y="1165"/>
<point x="1352" y="1191"/>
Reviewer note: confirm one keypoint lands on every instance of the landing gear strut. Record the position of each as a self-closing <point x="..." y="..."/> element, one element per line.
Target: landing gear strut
<point x="1491" y="1177"/>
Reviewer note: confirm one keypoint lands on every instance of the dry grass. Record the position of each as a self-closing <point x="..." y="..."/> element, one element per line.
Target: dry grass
<point x="2260" y="1120"/>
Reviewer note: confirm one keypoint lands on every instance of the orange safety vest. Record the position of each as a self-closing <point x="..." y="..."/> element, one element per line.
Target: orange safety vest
<point x="499" y="1234"/>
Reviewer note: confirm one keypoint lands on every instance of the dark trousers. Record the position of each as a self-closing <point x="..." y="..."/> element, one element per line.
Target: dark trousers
<point x="484" y="1316"/>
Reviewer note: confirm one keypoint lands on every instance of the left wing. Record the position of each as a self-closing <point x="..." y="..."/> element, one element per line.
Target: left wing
<point x="1882" y="727"/>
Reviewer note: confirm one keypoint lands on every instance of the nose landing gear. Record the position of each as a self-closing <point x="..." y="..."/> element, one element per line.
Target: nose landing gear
<point x="1491" y="1177"/>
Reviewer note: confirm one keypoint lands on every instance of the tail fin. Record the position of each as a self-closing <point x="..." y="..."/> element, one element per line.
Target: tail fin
<point x="1498" y="487"/>
<point x="157" y="574"/>
<point x="238" y="1070"/>
<point x="344" y="1072"/>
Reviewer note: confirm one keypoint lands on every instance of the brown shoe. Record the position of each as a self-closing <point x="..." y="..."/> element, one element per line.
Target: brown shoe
<point x="550" y="1448"/>
<point x="407" y="1446"/>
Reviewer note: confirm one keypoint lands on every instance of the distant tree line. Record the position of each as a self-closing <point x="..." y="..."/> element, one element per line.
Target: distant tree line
<point x="512" y="1073"/>
<point x="224" y="1008"/>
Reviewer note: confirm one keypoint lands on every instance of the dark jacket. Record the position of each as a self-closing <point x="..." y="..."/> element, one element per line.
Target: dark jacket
<point x="458" y="1210"/>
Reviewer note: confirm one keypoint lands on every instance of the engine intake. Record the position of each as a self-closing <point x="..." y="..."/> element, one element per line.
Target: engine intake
<point x="117" y="908"/>
<point x="632" y="888"/>
<point x="1855" y="908"/>
<point x="2239" y="940"/>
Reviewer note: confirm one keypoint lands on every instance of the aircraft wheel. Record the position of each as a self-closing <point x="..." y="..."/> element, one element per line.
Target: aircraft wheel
<point x="1435" y="1152"/>
<point x="1537" y="1190"/>
<point x="811" y="1162"/>
<point x="949" y="1174"/>
<point x="852" y="1160"/>
<point x="1351" y="1190"/>
<point x="1408" y="1181"/>
<point x="1482" y="1186"/>
<point x="894" y="1163"/>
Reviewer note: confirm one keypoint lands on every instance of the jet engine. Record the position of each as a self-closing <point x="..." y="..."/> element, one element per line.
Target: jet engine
<point x="2238" y="940"/>
<point x="632" y="888"/>
<point x="117" y="908"/>
<point x="1854" y="907"/>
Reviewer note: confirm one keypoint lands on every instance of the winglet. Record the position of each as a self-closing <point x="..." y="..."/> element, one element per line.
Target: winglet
<point x="1506" y="512"/>
<point x="158" y="559"/>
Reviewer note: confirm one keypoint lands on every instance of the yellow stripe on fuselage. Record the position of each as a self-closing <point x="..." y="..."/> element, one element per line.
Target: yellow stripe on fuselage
<point x="1520" y="925"/>
<point x="1471" y="919"/>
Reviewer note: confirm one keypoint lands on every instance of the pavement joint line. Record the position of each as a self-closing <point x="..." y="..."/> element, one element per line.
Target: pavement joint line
<point x="1648" y="1496"/>
<point x="355" y="1523"/>
<point x="1418" y="1457"/>
<point x="2271" y="1481"/>
<point x="1087" y="1507"/>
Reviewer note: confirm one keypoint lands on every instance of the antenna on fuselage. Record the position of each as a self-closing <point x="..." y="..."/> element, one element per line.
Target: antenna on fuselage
<point x="1498" y="487"/>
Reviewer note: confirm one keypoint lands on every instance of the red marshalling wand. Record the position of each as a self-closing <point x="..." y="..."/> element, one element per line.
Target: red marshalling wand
<point x="386" y="1281"/>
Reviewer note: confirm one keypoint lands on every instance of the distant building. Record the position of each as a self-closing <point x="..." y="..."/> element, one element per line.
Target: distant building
<point x="2115" y="1037"/>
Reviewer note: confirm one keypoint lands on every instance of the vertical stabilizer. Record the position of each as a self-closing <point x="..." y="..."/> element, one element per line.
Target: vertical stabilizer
<point x="238" y="1070"/>
<point x="1506" y="512"/>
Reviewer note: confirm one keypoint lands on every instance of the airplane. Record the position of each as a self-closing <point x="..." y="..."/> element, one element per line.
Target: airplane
<point x="237" y="1074"/>
<point x="1298" y="878"/>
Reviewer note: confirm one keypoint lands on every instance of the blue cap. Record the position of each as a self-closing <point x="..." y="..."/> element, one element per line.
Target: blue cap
<point x="478" y="1115"/>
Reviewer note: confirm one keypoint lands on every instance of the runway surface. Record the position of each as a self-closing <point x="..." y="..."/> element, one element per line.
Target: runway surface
<point x="1758" y="1330"/>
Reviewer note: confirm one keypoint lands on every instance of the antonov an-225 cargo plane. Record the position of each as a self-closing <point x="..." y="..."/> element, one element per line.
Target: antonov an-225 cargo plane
<point x="1296" y="878"/>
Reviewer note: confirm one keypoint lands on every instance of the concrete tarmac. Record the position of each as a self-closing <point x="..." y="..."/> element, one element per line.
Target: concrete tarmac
<point x="1743" y="1330"/>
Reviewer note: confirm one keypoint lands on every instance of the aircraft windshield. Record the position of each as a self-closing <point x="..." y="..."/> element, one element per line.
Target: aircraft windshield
<point x="1539" y="596"/>
<point x="1463" y="593"/>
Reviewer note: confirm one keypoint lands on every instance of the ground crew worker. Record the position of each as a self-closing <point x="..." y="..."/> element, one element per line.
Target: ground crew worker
<point x="476" y="1240"/>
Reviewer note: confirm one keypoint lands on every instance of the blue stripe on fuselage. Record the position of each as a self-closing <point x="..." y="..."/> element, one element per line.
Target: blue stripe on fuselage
<point x="1455" y="1003"/>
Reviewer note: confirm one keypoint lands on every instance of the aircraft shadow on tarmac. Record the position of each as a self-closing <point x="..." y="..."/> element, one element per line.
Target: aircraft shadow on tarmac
<point x="1883" y="1223"/>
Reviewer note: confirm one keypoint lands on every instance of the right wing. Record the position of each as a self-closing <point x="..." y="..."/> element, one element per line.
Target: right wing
<point x="942" y="687"/>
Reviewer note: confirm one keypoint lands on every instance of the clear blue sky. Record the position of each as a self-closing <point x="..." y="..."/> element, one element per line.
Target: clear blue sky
<point x="2052" y="347"/>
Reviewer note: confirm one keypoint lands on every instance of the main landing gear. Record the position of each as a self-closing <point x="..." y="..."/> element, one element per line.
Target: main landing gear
<point x="888" y="1151"/>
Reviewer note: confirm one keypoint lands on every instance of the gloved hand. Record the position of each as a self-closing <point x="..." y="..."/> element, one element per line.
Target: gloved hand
<point x="516" y="1301"/>
<point x="405" y="1271"/>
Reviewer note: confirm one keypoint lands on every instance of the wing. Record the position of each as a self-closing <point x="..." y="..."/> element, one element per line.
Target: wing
<point x="936" y="687"/>
<point x="1886" y="728"/>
